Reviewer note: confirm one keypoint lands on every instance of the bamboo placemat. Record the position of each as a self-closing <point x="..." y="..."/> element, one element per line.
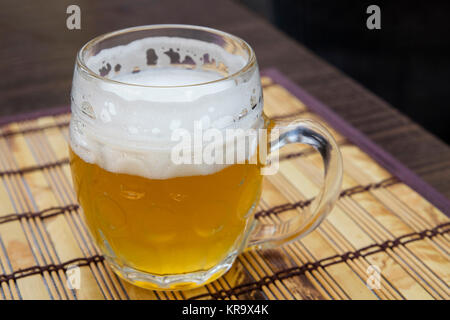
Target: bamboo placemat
<point x="379" y="221"/>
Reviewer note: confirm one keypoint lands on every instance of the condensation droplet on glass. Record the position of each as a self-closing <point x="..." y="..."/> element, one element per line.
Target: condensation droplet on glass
<point x="79" y="126"/>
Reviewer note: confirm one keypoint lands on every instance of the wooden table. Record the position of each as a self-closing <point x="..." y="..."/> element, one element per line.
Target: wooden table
<point x="37" y="55"/>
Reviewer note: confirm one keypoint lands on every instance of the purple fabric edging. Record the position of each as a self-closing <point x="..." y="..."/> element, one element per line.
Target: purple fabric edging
<point x="358" y="138"/>
<point x="33" y="115"/>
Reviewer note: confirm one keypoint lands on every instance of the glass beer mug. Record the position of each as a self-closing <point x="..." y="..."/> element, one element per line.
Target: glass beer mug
<point x="171" y="223"/>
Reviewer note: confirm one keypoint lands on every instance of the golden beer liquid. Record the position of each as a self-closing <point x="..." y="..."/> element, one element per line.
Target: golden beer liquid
<point x="172" y="226"/>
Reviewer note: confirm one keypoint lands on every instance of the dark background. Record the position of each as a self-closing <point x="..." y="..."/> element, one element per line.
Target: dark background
<point x="407" y="62"/>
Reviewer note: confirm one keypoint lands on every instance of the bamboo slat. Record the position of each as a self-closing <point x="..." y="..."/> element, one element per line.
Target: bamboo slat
<point x="378" y="220"/>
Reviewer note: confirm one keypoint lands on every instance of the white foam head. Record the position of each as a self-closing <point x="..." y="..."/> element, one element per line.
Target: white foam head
<point x="158" y="85"/>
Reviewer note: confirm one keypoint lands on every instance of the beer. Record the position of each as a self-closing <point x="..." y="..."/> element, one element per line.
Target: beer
<point x="171" y="226"/>
<point x="152" y="217"/>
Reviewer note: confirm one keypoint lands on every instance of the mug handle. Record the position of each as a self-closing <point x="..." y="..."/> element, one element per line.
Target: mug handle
<point x="314" y="134"/>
